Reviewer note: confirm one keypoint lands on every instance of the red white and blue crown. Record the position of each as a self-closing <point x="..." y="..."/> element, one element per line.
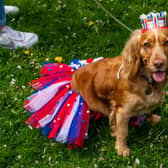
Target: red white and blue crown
<point x="153" y="20"/>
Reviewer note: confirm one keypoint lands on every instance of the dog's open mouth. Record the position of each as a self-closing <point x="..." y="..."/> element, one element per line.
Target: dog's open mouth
<point x="159" y="76"/>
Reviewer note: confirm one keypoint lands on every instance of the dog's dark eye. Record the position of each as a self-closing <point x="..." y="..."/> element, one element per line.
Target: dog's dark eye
<point x="146" y="44"/>
<point x="166" y="42"/>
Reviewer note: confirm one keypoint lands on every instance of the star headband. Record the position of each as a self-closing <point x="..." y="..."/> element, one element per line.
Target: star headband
<point x="153" y="21"/>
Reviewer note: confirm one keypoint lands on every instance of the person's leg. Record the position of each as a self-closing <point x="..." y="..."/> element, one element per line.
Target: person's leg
<point x="2" y="15"/>
<point x="11" y="38"/>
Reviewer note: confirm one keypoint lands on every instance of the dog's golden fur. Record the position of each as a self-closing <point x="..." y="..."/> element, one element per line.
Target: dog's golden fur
<point x="120" y="99"/>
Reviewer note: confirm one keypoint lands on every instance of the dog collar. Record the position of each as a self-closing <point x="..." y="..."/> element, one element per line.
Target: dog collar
<point x="150" y="81"/>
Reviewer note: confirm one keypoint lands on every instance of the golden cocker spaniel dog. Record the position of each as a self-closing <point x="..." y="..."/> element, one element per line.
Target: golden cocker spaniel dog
<point x="127" y="85"/>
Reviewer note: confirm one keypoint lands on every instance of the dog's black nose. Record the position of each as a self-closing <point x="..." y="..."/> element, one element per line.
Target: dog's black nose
<point x="158" y="63"/>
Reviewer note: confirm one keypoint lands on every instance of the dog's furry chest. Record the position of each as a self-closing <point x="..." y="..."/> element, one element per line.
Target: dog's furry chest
<point x="152" y="101"/>
<point x="143" y="104"/>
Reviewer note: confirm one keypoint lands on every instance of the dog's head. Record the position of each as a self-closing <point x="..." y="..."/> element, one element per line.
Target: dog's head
<point x="147" y="52"/>
<point x="154" y="52"/>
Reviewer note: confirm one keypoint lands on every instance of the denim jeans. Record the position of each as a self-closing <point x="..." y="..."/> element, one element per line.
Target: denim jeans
<point x="2" y="14"/>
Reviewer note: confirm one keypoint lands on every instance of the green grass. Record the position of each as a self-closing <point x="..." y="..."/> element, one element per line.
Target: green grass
<point x="63" y="30"/>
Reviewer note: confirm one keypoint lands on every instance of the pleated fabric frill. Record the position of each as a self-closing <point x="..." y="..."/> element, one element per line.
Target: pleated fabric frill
<point x="60" y="112"/>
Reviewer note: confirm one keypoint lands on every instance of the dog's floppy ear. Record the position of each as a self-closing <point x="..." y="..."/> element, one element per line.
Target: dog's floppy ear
<point x="131" y="56"/>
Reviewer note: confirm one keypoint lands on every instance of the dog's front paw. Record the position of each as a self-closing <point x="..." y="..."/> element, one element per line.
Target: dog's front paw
<point x="154" y="119"/>
<point x="124" y="151"/>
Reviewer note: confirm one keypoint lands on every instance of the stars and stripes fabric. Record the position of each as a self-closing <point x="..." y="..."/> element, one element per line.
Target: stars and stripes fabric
<point x="60" y="112"/>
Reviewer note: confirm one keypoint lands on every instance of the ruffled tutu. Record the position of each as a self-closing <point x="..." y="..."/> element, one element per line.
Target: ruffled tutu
<point x="60" y="112"/>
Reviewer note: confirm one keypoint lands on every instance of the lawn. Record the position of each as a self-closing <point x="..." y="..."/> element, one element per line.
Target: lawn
<point x="64" y="30"/>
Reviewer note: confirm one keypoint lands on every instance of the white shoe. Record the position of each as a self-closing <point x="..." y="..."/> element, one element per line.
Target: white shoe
<point x="11" y="9"/>
<point x="13" y="39"/>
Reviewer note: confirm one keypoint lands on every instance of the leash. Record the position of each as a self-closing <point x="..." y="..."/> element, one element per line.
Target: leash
<point x="113" y="17"/>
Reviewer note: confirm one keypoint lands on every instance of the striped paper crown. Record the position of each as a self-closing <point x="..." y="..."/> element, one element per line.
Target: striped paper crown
<point x="153" y="21"/>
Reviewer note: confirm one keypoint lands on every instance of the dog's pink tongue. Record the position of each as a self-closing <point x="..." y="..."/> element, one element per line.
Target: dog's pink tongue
<point x="159" y="76"/>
